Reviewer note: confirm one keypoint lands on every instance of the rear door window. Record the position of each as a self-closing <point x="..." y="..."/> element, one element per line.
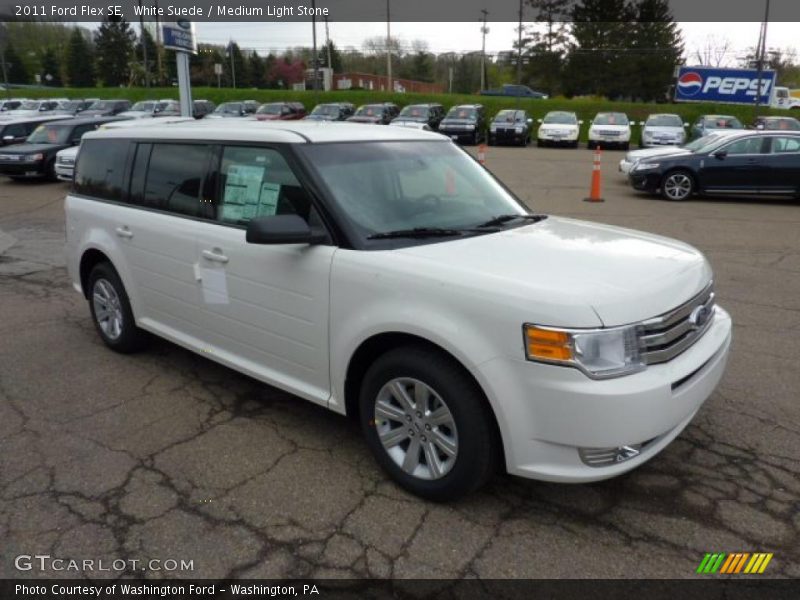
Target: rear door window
<point x="101" y="168"/>
<point x="174" y="179"/>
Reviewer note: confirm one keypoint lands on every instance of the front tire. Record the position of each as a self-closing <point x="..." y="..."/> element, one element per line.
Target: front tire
<point x="427" y="423"/>
<point x="111" y="311"/>
<point x="677" y="186"/>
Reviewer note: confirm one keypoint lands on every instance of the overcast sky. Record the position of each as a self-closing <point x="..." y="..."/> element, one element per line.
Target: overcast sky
<point x="461" y="37"/>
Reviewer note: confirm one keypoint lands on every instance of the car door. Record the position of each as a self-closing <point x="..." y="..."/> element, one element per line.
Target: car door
<point x="265" y="306"/>
<point x="782" y="166"/>
<point x="737" y="167"/>
<point x="159" y="240"/>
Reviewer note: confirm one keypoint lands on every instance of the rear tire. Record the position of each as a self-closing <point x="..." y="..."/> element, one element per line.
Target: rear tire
<point x="427" y="423"/>
<point x="111" y="311"/>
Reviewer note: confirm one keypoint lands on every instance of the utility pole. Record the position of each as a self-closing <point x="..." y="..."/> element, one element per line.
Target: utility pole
<point x="328" y="43"/>
<point x="389" y="46"/>
<point x="5" y="71"/>
<point x="144" y="49"/>
<point x="519" y="47"/>
<point x="314" y="55"/>
<point x="484" y="31"/>
<point x="761" y="50"/>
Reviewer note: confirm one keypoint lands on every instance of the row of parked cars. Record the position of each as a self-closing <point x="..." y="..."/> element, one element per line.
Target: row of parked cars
<point x="17" y="108"/>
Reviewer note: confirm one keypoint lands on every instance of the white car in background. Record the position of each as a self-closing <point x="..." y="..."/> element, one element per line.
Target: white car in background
<point x="559" y="127"/>
<point x="609" y="129"/>
<point x="663" y="130"/>
<point x="634" y="156"/>
<point x="65" y="163"/>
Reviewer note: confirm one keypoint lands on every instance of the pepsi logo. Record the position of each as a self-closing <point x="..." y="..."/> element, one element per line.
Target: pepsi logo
<point x="690" y="83"/>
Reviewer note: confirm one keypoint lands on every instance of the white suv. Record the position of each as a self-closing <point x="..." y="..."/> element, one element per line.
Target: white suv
<point x="384" y="274"/>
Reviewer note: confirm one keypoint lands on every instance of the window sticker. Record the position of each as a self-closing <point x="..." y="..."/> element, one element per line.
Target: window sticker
<point x="268" y="199"/>
<point x="242" y="192"/>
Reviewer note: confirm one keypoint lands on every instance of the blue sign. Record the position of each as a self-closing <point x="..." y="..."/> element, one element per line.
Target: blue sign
<point x="179" y="36"/>
<point x="710" y="84"/>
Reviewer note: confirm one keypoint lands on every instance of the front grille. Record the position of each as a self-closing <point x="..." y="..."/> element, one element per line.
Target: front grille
<point x="663" y="338"/>
<point x="66" y="161"/>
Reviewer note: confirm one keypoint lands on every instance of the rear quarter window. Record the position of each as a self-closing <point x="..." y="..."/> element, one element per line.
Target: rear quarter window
<point x="100" y="172"/>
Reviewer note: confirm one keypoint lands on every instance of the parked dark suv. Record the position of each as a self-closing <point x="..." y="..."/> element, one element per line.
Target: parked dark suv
<point x="333" y="111"/>
<point x="511" y="127"/>
<point x="377" y="114"/>
<point x="16" y="131"/>
<point x="465" y="123"/>
<point x="36" y="157"/>
<point x="106" y="108"/>
<point x="416" y="115"/>
<point x="201" y="108"/>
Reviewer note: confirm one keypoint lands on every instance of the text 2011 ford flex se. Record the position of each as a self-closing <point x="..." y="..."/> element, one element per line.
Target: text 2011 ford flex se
<point x="385" y="274"/>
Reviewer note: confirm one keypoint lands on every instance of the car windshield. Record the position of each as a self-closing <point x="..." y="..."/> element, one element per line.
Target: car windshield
<point x="49" y="134"/>
<point x="414" y="112"/>
<point x="561" y="118"/>
<point x="168" y="105"/>
<point x="722" y="123"/>
<point x="371" y="110"/>
<point x="270" y="109"/>
<point x="389" y="186"/>
<point x="459" y="112"/>
<point x="706" y="143"/>
<point x="325" y="109"/>
<point x="143" y="106"/>
<point x="509" y="116"/>
<point x="664" y="121"/>
<point x="229" y="107"/>
<point x="30" y="105"/>
<point x="11" y="104"/>
<point x="611" y="119"/>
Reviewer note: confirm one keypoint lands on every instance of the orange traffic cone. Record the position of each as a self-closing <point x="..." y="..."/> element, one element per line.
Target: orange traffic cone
<point x="594" y="192"/>
<point x="482" y="154"/>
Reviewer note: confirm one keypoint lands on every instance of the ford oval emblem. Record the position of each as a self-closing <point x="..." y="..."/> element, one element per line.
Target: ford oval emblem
<point x="699" y="317"/>
<point x="184" y="24"/>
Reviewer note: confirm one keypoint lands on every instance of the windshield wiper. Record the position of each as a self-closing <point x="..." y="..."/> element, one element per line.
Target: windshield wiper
<point x="416" y="232"/>
<point x="499" y="220"/>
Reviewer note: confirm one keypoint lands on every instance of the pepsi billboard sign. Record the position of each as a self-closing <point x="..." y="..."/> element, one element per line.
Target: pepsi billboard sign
<point x="710" y="84"/>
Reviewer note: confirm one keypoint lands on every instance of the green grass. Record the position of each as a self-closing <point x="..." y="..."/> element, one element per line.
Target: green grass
<point x="586" y="108"/>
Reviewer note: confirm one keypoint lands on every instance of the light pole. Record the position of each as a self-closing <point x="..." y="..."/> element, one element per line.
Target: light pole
<point x="233" y="65"/>
<point x="762" y="41"/>
<point x="519" y="47"/>
<point x="484" y="31"/>
<point x="328" y="43"/>
<point x="144" y="49"/>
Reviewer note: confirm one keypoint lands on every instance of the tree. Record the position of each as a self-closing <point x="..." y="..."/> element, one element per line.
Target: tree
<point x="656" y="49"/>
<point x="336" y="57"/>
<point x="146" y="42"/>
<point x="51" y="69"/>
<point x="600" y="31"/>
<point x="78" y="65"/>
<point x="284" y="74"/>
<point x="240" y="73"/>
<point x="716" y="51"/>
<point x="114" y="42"/>
<point x="543" y="49"/>
<point x="257" y="70"/>
<point x="17" y="72"/>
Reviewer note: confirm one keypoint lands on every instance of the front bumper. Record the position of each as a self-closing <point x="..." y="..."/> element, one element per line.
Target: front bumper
<point x="625" y="166"/>
<point x="654" y="143"/>
<point x="64" y="172"/>
<point x="461" y="136"/>
<point x="646" y="181"/>
<point x="22" y="169"/>
<point x="548" y="414"/>
<point x="550" y="138"/>
<point x="507" y="136"/>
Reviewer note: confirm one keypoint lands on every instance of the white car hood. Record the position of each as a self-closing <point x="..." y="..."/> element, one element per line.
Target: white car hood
<point x="559" y="265"/>
<point x="621" y="128"/>
<point x="635" y="155"/>
<point x="71" y="152"/>
<point x="672" y="131"/>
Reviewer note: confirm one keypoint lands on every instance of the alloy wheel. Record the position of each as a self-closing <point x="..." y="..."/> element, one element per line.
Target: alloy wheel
<point x="678" y="186"/>
<point x="107" y="308"/>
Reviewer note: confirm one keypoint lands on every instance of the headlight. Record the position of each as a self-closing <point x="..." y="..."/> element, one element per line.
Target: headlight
<point x="469" y="126"/>
<point x="493" y="127"/>
<point x="518" y="129"/>
<point x="34" y="157"/>
<point x="599" y="353"/>
<point x="645" y="166"/>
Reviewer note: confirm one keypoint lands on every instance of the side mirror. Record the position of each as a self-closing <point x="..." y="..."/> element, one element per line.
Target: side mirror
<point x="720" y="154"/>
<point x="281" y="229"/>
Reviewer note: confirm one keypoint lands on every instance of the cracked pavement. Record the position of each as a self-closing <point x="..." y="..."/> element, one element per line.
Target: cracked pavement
<point x="167" y="455"/>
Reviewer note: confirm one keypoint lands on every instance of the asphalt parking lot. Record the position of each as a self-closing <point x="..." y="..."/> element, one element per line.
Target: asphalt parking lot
<point x="166" y="455"/>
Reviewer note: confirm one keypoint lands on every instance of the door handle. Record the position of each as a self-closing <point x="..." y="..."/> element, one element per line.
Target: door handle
<point x="215" y="255"/>
<point x="124" y="232"/>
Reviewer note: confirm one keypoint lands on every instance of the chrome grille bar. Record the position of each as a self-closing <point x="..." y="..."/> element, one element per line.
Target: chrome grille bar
<point x="663" y="338"/>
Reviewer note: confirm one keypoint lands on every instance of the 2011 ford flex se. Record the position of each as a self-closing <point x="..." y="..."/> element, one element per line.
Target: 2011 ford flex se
<point x="385" y="274"/>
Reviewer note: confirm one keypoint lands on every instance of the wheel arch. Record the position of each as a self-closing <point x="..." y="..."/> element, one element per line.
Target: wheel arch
<point x="378" y="344"/>
<point x="89" y="260"/>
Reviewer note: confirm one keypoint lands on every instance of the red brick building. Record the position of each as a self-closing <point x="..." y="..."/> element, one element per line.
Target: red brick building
<point x="367" y="81"/>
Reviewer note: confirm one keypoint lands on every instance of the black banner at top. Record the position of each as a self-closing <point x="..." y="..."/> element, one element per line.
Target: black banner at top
<point x="376" y="10"/>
